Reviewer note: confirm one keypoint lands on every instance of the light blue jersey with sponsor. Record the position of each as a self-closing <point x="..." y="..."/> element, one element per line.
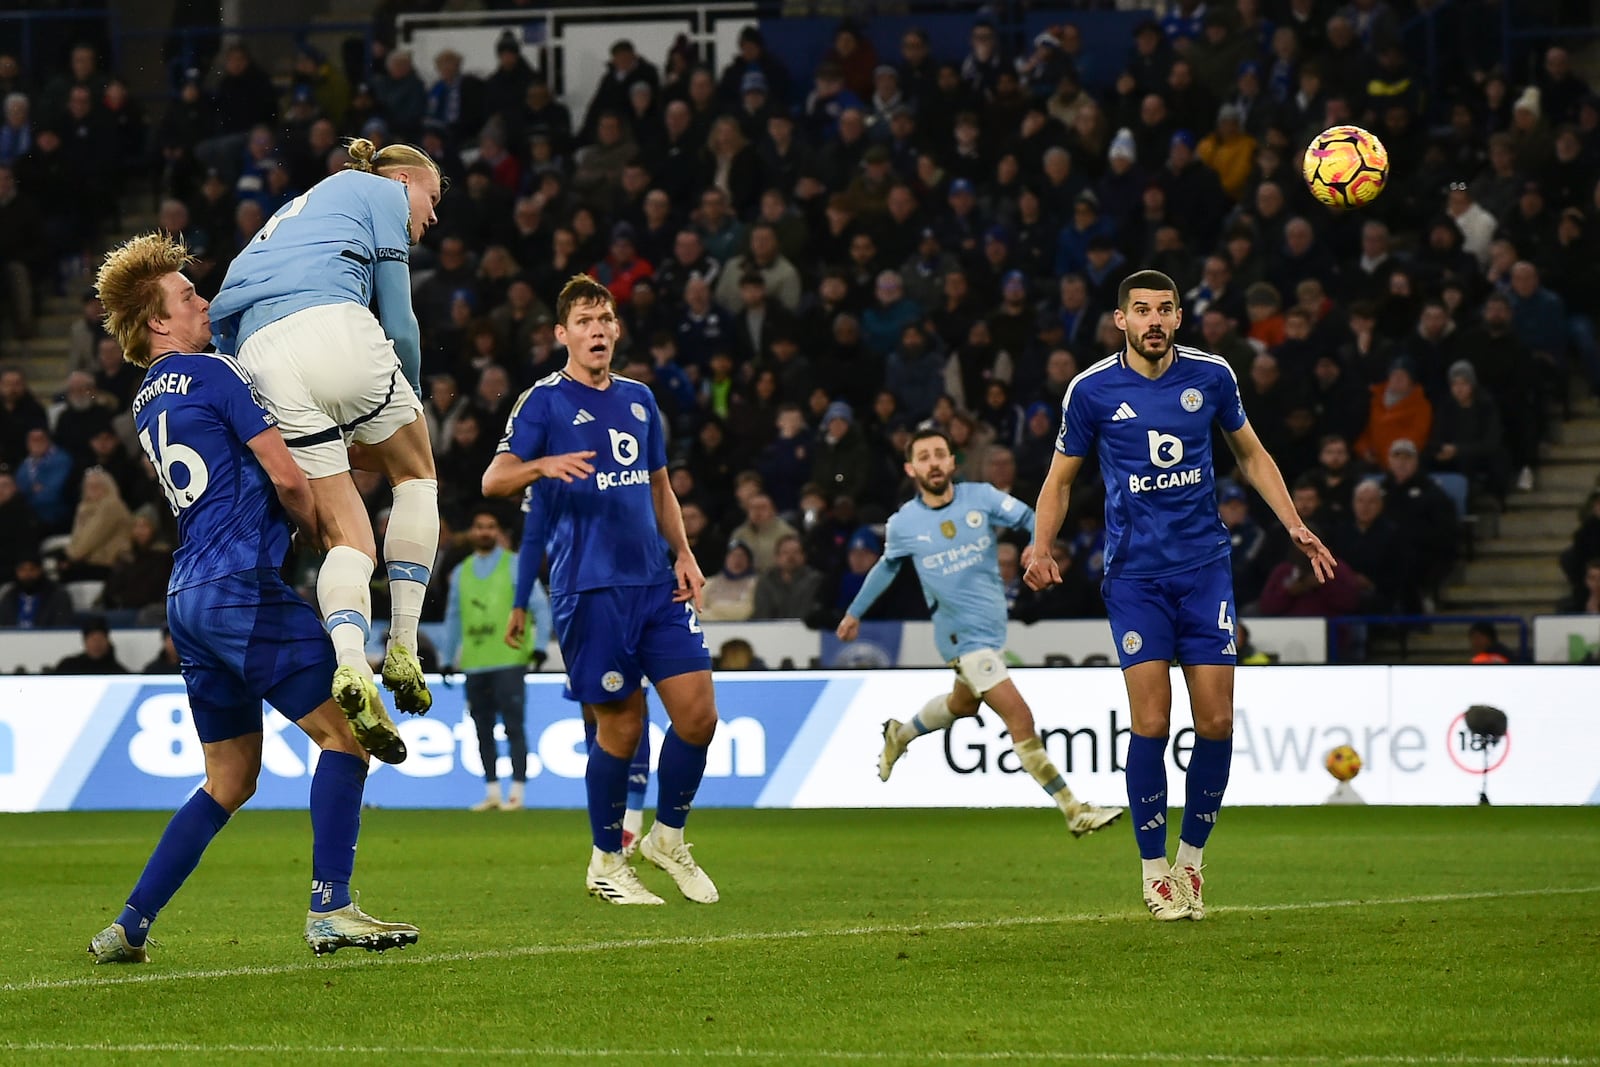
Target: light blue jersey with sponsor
<point x="346" y="240"/>
<point x="955" y="552"/>
<point x="1154" y="440"/>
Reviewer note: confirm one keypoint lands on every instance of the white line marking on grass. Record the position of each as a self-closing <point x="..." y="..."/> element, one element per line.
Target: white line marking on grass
<point x="834" y="1055"/>
<point x="143" y="975"/>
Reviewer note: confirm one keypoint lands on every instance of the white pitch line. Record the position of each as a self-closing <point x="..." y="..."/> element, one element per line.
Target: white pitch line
<point x="827" y="1055"/>
<point x="143" y="976"/>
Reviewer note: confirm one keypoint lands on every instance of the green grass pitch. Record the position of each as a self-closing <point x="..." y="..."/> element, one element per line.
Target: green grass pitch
<point x="1335" y="936"/>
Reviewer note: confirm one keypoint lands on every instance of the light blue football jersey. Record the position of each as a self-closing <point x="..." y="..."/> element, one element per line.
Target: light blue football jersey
<point x="600" y="531"/>
<point x="954" y="550"/>
<point x="320" y="248"/>
<point x="196" y="415"/>
<point x="1154" y="439"/>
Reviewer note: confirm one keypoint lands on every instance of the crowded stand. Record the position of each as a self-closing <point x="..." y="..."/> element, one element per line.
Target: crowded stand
<point x="811" y="264"/>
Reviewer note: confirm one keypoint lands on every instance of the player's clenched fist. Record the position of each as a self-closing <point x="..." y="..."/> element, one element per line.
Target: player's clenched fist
<point x="1042" y="571"/>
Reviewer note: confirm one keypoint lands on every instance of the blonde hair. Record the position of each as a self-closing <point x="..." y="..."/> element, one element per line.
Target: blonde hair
<point x="370" y="159"/>
<point x="129" y="286"/>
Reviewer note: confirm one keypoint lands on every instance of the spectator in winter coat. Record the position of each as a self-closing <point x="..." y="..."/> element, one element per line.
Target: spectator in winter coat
<point x="790" y="588"/>
<point x="1467" y="436"/>
<point x="1399" y="410"/>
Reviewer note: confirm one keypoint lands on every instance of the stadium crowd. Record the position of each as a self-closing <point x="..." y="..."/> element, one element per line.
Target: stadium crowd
<point x="809" y="264"/>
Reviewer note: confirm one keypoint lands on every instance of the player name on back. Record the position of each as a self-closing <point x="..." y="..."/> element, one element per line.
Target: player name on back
<point x="171" y="382"/>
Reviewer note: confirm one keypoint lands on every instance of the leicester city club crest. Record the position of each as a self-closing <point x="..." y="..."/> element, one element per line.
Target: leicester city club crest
<point x="947" y="528"/>
<point x="1132" y="642"/>
<point x="1192" y="399"/>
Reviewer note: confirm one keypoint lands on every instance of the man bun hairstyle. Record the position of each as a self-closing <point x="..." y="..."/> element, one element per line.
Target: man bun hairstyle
<point x="370" y="159"/>
<point x="1146" y="279"/>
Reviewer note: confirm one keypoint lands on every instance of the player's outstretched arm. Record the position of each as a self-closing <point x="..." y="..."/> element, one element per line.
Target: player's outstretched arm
<point x="669" y="518"/>
<point x="874" y="585"/>
<point x="508" y="475"/>
<point x="1261" y="471"/>
<point x="294" y="491"/>
<point x="1048" y="516"/>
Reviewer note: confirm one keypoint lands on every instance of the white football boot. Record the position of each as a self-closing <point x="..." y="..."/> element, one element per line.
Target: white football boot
<point x="611" y="879"/>
<point x="1188" y="882"/>
<point x="1164" y="898"/>
<point x="893" y="749"/>
<point x="1087" y="818"/>
<point x="111" y="946"/>
<point x="350" y="927"/>
<point x="668" y="850"/>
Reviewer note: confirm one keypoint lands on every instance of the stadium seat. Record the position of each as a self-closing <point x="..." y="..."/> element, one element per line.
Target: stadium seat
<point x="85" y="595"/>
<point x="1457" y="488"/>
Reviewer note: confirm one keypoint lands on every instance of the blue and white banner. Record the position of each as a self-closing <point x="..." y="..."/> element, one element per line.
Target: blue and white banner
<point x="811" y="739"/>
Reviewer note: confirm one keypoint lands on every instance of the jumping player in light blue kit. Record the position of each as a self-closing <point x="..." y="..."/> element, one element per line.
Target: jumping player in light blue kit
<point x="622" y="613"/>
<point x="294" y="309"/>
<point x="947" y="529"/>
<point x="242" y="635"/>
<point x="1168" y="583"/>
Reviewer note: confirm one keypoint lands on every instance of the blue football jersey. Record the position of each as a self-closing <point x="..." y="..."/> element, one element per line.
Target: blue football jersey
<point x="601" y="530"/>
<point x="320" y="248"/>
<point x="1155" y="457"/>
<point x="955" y="552"/>
<point x="195" y="414"/>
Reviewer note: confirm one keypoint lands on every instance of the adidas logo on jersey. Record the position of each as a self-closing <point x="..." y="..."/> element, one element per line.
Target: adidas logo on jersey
<point x="1124" y="412"/>
<point x="582" y="417"/>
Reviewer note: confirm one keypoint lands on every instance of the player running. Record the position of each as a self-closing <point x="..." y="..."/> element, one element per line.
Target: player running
<point x="530" y="562"/>
<point x="1168" y="587"/>
<point x="947" y="528"/>
<point x="621" y="612"/>
<point x="243" y="636"/>
<point x="294" y="309"/>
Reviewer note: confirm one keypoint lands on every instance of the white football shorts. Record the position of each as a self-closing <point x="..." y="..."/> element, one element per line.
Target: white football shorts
<point x="981" y="671"/>
<point x="330" y="375"/>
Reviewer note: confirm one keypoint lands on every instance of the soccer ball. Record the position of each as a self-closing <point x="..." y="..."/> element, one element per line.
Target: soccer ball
<point x="1345" y="167"/>
<point x="1343" y="763"/>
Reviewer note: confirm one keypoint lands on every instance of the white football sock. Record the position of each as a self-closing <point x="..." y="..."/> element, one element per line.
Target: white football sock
<point x="1037" y="763"/>
<point x="514" y="793"/>
<point x="1156" y="868"/>
<point x="344" y="592"/>
<point x="632" y="821"/>
<point x="935" y="715"/>
<point x="1188" y="855"/>
<point x="409" y="549"/>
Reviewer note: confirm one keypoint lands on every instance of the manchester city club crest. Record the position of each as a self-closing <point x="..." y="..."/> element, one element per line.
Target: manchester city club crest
<point x="974" y="519"/>
<point x="1192" y="399"/>
<point x="1132" y="642"/>
<point x="947" y="528"/>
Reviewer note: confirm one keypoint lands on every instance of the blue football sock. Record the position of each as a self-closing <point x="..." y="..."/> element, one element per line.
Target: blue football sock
<point x="1147" y="793"/>
<point x="1209" y="763"/>
<point x="639" y="771"/>
<point x="589" y="731"/>
<point x="607" y="783"/>
<point x="678" y="775"/>
<point x="335" y="822"/>
<point x="176" y="856"/>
